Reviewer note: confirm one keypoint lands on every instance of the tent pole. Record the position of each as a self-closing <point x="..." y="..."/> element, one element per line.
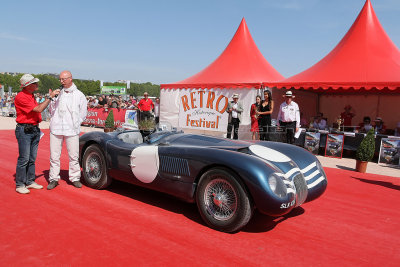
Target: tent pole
<point x="378" y="104"/>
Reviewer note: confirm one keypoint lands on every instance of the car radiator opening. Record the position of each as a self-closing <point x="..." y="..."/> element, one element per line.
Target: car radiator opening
<point x="301" y="189"/>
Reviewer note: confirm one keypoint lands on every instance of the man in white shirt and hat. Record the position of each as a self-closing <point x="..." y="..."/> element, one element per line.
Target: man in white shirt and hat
<point x="289" y="116"/>
<point x="67" y="113"/>
<point x="235" y="110"/>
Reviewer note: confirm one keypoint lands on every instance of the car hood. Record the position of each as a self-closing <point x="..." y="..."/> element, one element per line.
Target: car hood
<point x="275" y="156"/>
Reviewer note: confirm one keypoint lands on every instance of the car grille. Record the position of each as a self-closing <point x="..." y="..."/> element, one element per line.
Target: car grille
<point x="301" y="189"/>
<point x="175" y="166"/>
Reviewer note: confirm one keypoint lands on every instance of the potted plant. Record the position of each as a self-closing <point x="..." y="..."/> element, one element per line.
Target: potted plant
<point x="365" y="152"/>
<point x="109" y="123"/>
<point x="146" y="127"/>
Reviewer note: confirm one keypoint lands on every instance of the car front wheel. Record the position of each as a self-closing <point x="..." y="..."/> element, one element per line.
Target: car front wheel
<point x="95" y="168"/>
<point x="222" y="200"/>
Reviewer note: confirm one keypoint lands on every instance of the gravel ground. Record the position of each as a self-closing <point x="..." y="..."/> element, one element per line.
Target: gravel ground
<point x="8" y="123"/>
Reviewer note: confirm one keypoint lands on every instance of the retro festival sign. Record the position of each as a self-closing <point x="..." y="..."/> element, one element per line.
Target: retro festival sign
<point x="203" y="109"/>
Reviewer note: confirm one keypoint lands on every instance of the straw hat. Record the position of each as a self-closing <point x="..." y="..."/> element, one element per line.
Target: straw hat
<point x="27" y="79"/>
<point x="289" y="94"/>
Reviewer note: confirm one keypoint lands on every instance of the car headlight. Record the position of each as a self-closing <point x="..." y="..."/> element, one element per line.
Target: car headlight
<point x="277" y="185"/>
<point x="272" y="183"/>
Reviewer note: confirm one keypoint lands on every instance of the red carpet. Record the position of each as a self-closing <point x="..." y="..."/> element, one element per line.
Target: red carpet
<point x="355" y="223"/>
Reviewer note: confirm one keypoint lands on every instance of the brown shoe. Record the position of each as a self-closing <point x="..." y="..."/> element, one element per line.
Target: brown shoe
<point x="77" y="184"/>
<point x="52" y="185"/>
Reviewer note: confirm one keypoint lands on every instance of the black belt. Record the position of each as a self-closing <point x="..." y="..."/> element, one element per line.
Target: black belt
<point x="27" y="124"/>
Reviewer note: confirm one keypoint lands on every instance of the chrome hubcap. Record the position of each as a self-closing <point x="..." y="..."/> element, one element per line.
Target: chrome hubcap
<point x="220" y="199"/>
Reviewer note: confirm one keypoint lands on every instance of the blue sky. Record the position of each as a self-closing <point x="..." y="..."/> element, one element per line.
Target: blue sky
<point x="167" y="41"/>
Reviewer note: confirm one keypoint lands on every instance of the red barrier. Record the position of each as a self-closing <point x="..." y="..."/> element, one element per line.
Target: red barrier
<point x="97" y="117"/>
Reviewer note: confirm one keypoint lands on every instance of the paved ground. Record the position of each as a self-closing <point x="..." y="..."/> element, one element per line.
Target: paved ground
<point x="350" y="164"/>
<point x="8" y="123"/>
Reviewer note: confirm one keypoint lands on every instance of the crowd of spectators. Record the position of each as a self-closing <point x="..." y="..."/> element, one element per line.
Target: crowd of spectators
<point x="7" y="107"/>
<point x="147" y="107"/>
<point x="112" y="101"/>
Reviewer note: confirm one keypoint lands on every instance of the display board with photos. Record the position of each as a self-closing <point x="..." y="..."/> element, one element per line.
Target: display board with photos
<point x="334" y="145"/>
<point x="311" y="142"/>
<point x="390" y="151"/>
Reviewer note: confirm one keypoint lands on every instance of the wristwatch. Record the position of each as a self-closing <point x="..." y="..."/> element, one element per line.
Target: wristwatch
<point x="49" y="97"/>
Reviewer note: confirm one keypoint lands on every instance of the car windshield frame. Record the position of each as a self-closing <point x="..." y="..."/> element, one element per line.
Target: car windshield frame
<point x="158" y="135"/>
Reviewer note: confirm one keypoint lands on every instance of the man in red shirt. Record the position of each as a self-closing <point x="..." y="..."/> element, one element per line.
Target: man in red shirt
<point x="146" y="107"/>
<point x="27" y="132"/>
<point x="347" y="115"/>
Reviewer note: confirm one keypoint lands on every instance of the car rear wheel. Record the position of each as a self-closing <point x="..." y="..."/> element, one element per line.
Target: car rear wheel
<point x="95" y="168"/>
<point x="223" y="201"/>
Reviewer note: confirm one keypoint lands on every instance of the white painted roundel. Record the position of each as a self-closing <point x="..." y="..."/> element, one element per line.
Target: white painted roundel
<point x="145" y="163"/>
<point x="269" y="154"/>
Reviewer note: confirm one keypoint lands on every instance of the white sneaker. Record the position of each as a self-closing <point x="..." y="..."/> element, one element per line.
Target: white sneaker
<point x="22" y="190"/>
<point x="35" y="186"/>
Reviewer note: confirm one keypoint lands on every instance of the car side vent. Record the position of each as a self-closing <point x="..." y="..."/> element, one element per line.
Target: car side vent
<point x="175" y="166"/>
<point x="244" y="150"/>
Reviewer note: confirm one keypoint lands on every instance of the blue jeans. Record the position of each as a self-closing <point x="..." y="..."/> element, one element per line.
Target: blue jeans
<point x="27" y="145"/>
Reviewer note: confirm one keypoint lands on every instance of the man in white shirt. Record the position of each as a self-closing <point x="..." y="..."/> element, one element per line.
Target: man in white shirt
<point x="319" y="122"/>
<point x="235" y="110"/>
<point x="67" y="113"/>
<point x="289" y="116"/>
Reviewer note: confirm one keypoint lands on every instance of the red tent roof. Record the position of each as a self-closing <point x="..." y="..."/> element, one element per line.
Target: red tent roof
<point x="240" y="65"/>
<point x="365" y="58"/>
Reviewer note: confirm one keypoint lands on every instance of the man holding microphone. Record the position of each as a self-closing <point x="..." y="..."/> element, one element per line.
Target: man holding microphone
<point x="27" y="132"/>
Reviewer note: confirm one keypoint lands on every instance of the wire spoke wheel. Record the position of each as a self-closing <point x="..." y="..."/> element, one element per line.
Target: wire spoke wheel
<point x="93" y="167"/>
<point x="220" y="199"/>
<point x="223" y="201"/>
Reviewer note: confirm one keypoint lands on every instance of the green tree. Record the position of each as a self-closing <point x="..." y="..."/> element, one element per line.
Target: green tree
<point x="366" y="150"/>
<point x="88" y="87"/>
<point x="109" y="123"/>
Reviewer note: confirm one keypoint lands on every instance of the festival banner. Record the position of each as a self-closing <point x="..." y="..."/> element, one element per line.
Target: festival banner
<point x="203" y="109"/>
<point x="115" y="90"/>
<point x="390" y="151"/>
<point x="97" y="117"/>
<point x="311" y="142"/>
<point x="334" y="145"/>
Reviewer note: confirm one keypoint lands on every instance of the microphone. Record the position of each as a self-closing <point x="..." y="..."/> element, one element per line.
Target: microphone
<point x="61" y="87"/>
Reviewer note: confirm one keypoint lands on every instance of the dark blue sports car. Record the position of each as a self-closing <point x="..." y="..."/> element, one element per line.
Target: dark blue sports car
<point x="228" y="179"/>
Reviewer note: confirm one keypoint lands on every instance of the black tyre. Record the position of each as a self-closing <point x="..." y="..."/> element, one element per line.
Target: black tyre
<point x="223" y="201"/>
<point x="95" y="168"/>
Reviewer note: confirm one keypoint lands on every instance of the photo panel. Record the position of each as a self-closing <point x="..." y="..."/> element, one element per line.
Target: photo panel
<point x="334" y="145"/>
<point x="311" y="142"/>
<point x="389" y="151"/>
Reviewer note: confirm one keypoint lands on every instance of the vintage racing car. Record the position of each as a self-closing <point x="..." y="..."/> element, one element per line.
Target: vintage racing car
<point x="228" y="179"/>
